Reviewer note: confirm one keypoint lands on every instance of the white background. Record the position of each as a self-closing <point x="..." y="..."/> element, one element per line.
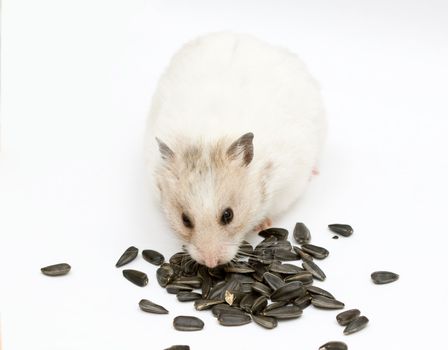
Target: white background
<point x="77" y="78"/>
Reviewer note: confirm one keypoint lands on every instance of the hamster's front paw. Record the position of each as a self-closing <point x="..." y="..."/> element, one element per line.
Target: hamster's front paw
<point x="266" y="223"/>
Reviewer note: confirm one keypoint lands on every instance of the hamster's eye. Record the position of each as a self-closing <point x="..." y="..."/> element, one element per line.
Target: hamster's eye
<point x="227" y="216"/>
<point x="186" y="220"/>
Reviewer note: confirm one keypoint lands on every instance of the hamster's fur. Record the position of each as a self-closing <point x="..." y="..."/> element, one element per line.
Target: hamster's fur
<point x="234" y="123"/>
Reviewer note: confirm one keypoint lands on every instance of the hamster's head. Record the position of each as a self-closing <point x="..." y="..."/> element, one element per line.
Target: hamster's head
<point x="210" y="195"/>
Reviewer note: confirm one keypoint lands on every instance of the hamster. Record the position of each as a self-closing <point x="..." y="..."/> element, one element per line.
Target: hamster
<point x="233" y="136"/>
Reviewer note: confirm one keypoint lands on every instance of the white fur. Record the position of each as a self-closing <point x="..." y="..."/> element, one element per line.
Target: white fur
<point x="228" y="84"/>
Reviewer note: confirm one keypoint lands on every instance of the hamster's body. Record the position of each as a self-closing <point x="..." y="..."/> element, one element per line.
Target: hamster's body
<point x="221" y="86"/>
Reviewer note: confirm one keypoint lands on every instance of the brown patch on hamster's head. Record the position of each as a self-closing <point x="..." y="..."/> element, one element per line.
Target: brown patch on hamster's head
<point x="210" y="195"/>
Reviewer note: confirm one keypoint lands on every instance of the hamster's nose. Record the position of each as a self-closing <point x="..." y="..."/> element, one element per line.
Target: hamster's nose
<point x="211" y="261"/>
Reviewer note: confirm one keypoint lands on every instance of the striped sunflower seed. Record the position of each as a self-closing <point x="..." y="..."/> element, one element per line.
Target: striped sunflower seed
<point x="279" y="233"/>
<point x="273" y="281"/>
<point x="320" y="291"/>
<point x="188" y="323"/>
<point x="314" y="269"/>
<point x="137" y="277"/>
<point x="188" y="296"/>
<point x="153" y="257"/>
<point x="341" y="229"/>
<point x="344" y="318"/>
<point x="301" y="233"/>
<point x="383" y="277"/>
<point x="323" y="302"/>
<point x="165" y="274"/>
<point x="334" y="345"/>
<point x="56" y="270"/>
<point x="204" y="304"/>
<point x="315" y="251"/>
<point x="356" y="325"/>
<point x="149" y="306"/>
<point x="265" y="321"/>
<point x="178" y="347"/>
<point x="284" y="312"/>
<point x="230" y="320"/>
<point x="289" y="291"/>
<point x="128" y="255"/>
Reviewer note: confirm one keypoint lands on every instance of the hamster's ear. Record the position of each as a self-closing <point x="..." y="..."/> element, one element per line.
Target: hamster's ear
<point x="165" y="151"/>
<point x="242" y="148"/>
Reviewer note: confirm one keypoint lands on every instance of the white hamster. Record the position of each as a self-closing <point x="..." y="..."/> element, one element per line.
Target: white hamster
<point x="234" y="134"/>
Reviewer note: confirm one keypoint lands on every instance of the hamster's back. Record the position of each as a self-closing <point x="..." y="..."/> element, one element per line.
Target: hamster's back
<point x="229" y="84"/>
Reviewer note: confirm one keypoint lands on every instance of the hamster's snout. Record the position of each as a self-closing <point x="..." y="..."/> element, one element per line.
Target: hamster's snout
<point x="211" y="257"/>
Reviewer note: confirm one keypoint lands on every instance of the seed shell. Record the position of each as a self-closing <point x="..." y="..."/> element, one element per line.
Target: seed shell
<point x="323" y="302"/>
<point x="204" y="304"/>
<point x="284" y="312"/>
<point x="225" y="308"/>
<point x="303" y="302"/>
<point x="314" y="269"/>
<point x="188" y="323"/>
<point x="128" y="255"/>
<point x="174" y="288"/>
<point x="178" y="347"/>
<point x="153" y="257"/>
<point x="344" y="318"/>
<point x="334" y="345"/>
<point x="304" y="276"/>
<point x="56" y="270"/>
<point x="341" y="229"/>
<point x="137" y="277"/>
<point x="259" y="304"/>
<point x="356" y="325"/>
<point x="265" y="321"/>
<point x="188" y="296"/>
<point x="149" y="306"/>
<point x="383" y="277"/>
<point x="315" y="251"/>
<point x="289" y="291"/>
<point x="279" y="233"/>
<point x="320" y="291"/>
<point x="273" y="281"/>
<point x="301" y="233"/>
<point x="165" y="274"/>
<point x="230" y="320"/>
<point x="287" y="269"/>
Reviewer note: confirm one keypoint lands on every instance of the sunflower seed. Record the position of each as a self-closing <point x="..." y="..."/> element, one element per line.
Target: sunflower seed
<point x="314" y="269"/>
<point x="302" y="254"/>
<point x="245" y="248"/>
<point x="174" y="288"/>
<point x="240" y="277"/>
<point x="320" y="291"/>
<point x="247" y="302"/>
<point x="227" y="319"/>
<point x="334" y="345"/>
<point x="128" y="255"/>
<point x="284" y="312"/>
<point x="275" y="305"/>
<point x="56" y="270"/>
<point x="218" y="290"/>
<point x="323" y="302"/>
<point x="189" y="266"/>
<point x="259" y="304"/>
<point x="301" y="233"/>
<point x="315" y="251"/>
<point x="176" y="259"/>
<point x="137" y="277"/>
<point x="285" y="255"/>
<point x="239" y="268"/>
<point x="356" y="325"/>
<point x="192" y="281"/>
<point x="204" y="304"/>
<point x="188" y="323"/>
<point x="261" y="288"/>
<point x="344" y="318"/>
<point x="273" y="281"/>
<point x="303" y="302"/>
<point x="287" y="269"/>
<point x="225" y="308"/>
<point x="383" y="277"/>
<point x="340" y="229"/>
<point x="289" y="291"/>
<point x="217" y="272"/>
<point x="206" y="282"/>
<point x="265" y="321"/>
<point x="304" y="276"/>
<point x="279" y="233"/>
<point x="165" y="274"/>
<point x="149" y="306"/>
<point x="188" y="296"/>
<point x="260" y="269"/>
<point x="282" y="246"/>
<point x="178" y="347"/>
<point x="153" y="257"/>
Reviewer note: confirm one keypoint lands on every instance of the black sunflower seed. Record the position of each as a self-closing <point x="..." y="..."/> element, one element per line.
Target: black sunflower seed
<point x="303" y="302"/>
<point x="188" y="296"/>
<point x="153" y="257"/>
<point x="188" y="323"/>
<point x="302" y="254"/>
<point x="192" y="281"/>
<point x="284" y="312"/>
<point x="178" y="347"/>
<point x="225" y="308"/>
<point x="246" y="248"/>
<point x="247" y="302"/>
<point x="334" y="345"/>
<point x="137" y="277"/>
<point x="304" y="276"/>
<point x="285" y="255"/>
<point x="261" y="288"/>
<point x="279" y="233"/>
<point x="230" y="320"/>
<point x="165" y="274"/>
<point x="265" y="321"/>
<point x="128" y="255"/>
<point x="174" y="288"/>
<point x="56" y="270"/>
<point x="176" y="259"/>
<point x="275" y="305"/>
<point x="323" y="302"/>
<point x="239" y="268"/>
<point x="287" y="269"/>
<point x="344" y="318"/>
<point x="356" y="325"/>
<point x="314" y="269"/>
<point x="149" y="306"/>
<point x="320" y="291"/>
<point x="289" y="291"/>
<point x="315" y="251"/>
<point x="341" y="229"/>
<point x="301" y="233"/>
<point x="273" y="281"/>
<point x="204" y="304"/>
<point x="383" y="277"/>
<point x="259" y="304"/>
